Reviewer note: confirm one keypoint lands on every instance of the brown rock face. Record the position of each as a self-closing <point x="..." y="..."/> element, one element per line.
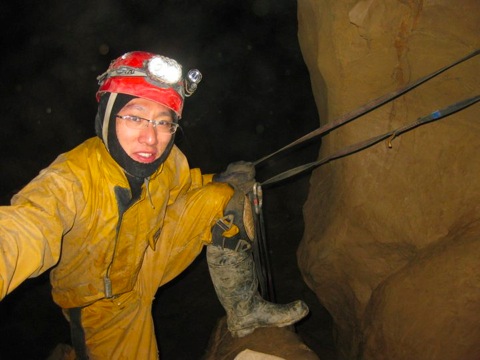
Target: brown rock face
<point x="281" y="343"/>
<point x="392" y="239"/>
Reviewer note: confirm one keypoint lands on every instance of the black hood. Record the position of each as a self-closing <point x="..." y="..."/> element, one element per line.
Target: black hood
<point x="106" y="117"/>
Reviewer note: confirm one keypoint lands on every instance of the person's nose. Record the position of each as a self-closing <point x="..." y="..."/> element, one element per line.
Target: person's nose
<point x="148" y="135"/>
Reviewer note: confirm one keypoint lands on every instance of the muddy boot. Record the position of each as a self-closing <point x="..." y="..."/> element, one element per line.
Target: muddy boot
<point x="232" y="270"/>
<point x="233" y="276"/>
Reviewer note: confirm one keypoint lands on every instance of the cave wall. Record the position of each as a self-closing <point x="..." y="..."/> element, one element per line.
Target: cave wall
<point x="391" y="244"/>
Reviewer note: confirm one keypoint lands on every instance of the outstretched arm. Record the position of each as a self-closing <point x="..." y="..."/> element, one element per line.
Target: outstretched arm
<point x="31" y="229"/>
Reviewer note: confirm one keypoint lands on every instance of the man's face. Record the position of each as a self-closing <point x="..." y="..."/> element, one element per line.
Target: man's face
<point x="147" y="144"/>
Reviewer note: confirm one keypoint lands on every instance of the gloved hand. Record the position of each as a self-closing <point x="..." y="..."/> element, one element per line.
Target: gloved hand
<point x="240" y="175"/>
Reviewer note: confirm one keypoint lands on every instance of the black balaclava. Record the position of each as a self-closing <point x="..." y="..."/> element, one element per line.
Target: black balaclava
<point x="134" y="170"/>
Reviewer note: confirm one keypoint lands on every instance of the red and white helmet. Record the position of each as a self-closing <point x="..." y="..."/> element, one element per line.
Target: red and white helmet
<point x="149" y="76"/>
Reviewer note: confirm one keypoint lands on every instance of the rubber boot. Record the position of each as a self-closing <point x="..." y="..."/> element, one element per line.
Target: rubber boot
<point x="235" y="282"/>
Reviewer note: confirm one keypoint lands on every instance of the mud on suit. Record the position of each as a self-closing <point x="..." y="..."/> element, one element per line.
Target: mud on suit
<point x="75" y="216"/>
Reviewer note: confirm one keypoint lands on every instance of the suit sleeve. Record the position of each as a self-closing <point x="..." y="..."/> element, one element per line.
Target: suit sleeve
<point x="31" y="229"/>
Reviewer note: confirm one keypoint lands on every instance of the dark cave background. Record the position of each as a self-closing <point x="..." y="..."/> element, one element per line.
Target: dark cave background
<point x="255" y="97"/>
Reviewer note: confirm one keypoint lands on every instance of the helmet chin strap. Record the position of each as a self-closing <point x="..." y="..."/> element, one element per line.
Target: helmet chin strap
<point x="106" y="118"/>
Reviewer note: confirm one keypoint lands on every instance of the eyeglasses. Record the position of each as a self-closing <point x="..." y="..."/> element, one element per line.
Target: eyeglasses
<point x="139" y="123"/>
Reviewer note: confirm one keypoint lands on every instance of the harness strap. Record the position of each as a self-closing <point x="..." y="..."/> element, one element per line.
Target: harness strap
<point x="220" y="235"/>
<point x="77" y="333"/>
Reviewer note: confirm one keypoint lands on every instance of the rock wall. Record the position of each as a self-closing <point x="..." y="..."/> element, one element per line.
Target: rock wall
<point x="391" y="245"/>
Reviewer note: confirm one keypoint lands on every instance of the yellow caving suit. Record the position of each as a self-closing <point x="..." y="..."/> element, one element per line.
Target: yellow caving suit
<point x="74" y="217"/>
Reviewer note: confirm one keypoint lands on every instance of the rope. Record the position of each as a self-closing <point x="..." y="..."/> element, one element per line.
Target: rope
<point x="434" y="116"/>
<point x="368" y="107"/>
<point x="260" y="246"/>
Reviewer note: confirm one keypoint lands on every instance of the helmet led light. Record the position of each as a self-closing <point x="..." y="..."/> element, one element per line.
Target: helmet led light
<point x="164" y="69"/>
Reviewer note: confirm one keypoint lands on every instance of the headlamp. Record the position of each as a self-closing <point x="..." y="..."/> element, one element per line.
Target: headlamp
<point x="158" y="68"/>
<point x="164" y="69"/>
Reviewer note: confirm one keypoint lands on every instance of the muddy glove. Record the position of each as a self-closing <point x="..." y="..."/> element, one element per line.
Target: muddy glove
<point x="240" y="175"/>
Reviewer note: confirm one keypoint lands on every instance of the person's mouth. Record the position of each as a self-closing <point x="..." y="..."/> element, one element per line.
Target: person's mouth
<point x="144" y="156"/>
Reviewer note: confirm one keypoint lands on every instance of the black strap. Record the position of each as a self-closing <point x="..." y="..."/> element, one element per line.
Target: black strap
<point x="236" y="242"/>
<point x="373" y="104"/>
<point x="436" y="115"/>
<point x="77" y="333"/>
<point x="260" y="246"/>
